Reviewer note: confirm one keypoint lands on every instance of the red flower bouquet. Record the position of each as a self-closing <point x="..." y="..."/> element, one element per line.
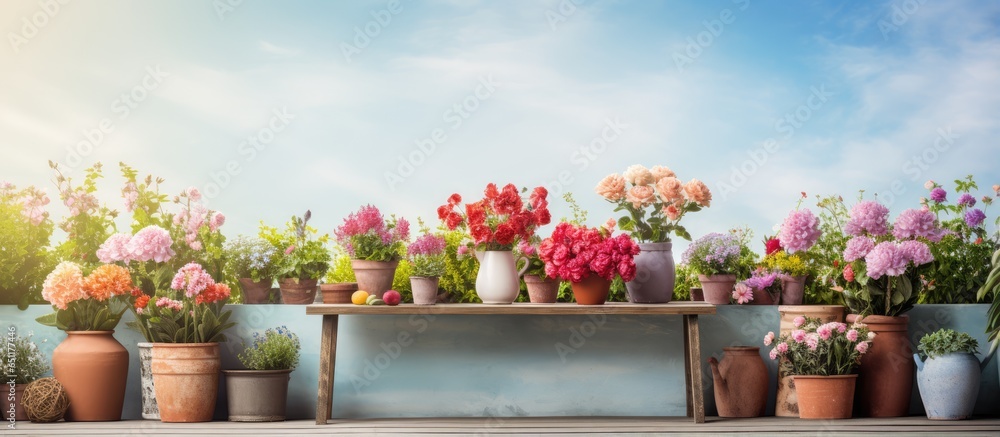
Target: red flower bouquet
<point x="574" y="252"/>
<point x="501" y="218"/>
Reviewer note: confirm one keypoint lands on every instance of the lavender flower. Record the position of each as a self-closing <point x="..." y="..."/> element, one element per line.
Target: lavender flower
<point x="967" y="200"/>
<point x="939" y="195"/>
<point x="868" y="216"/>
<point x="974" y="217"/>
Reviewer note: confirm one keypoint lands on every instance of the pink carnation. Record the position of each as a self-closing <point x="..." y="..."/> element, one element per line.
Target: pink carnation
<point x="800" y="231"/>
<point x="115" y="249"/>
<point x="798" y="335"/>
<point x="191" y="278"/>
<point x="886" y="259"/>
<point x="812" y="340"/>
<point x="150" y="243"/>
<point x="773" y="354"/>
<point x="824" y="331"/>
<point x="857" y="248"/>
<point x="852" y="335"/>
<point x="799" y="321"/>
<point x="768" y="338"/>
<point x="862" y="347"/>
<point x="781" y="348"/>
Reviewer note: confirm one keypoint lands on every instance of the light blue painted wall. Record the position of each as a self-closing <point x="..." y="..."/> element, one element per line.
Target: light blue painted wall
<point x="496" y="366"/>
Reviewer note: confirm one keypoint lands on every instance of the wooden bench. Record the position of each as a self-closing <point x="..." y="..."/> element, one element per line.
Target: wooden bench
<point x="690" y="311"/>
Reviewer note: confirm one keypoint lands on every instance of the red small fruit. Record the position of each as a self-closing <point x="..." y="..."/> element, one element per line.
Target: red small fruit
<point x="391" y="298"/>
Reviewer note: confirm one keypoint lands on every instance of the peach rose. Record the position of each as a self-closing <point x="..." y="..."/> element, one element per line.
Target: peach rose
<point x="611" y="187"/>
<point x="641" y="195"/>
<point x="670" y="189"/>
<point x="659" y="172"/>
<point x="638" y="175"/>
<point x="672" y="212"/>
<point x="697" y="192"/>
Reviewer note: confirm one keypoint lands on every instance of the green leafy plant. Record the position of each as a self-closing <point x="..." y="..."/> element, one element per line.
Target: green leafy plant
<point x="992" y="287"/>
<point x="252" y="258"/>
<point x="748" y="259"/>
<point x="686" y="279"/>
<point x="460" y="267"/>
<point x="22" y="361"/>
<point x="817" y="348"/>
<point x="25" y="256"/>
<point x="192" y="311"/>
<point x="946" y="341"/>
<point x="825" y="259"/>
<point x="277" y="349"/>
<point x="656" y="191"/>
<point x="302" y="255"/>
<point x="88" y="224"/>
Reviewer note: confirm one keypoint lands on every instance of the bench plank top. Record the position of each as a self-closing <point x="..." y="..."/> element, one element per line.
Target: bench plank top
<point x="672" y="308"/>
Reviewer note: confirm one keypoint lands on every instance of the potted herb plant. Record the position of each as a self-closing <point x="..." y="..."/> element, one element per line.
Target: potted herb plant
<point x="822" y="357"/>
<point x="589" y="258"/>
<point x="427" y="261"/>
<point x="186" y="323"/>
<point x="496" y="224"/>
<point x="260" y="393"/>
<point x="302" y="260"/>
<point x="90" y="363"/>
<point x="541" y="288"/>
<point x="22" y="363"/>
<point x="658" y="192"/>
<point x="884" y="263"/>
<point x="254" y="261"/>
<point x="714" y="257"/>
<point x="375" y="245"/>
<point x="948" y="374"/>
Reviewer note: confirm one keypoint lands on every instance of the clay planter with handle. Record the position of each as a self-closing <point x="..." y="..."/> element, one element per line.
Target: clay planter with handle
<point x="258" y="292"/>
<point x="93" y="368"/>
<point x="186" y="379"/>
<point x="740" y="382"/>
<point x="825" y="397"/>
<point x="786" y="403"/>
<point x="375" y="277"/>
<point x="298" y="291"/>
<point x="339" y="292"/>
<point x="592" y="290"/>
<point x="541" y="290"/>
<point x="885" y="376"/>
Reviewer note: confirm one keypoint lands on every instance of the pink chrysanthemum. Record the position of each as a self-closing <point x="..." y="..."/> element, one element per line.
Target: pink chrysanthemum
<point x="799" y="231"/>
<point x="781" y="348"/>
<point x="191" y="278"/>
<point x="886" y="259"/>
<point x="742" y="293"/>
<point x="868" y="216"/>
<point x="916" y="252"/>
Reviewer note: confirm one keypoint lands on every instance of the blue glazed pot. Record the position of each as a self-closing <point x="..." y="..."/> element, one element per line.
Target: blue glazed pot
<point x="949" y="385"/>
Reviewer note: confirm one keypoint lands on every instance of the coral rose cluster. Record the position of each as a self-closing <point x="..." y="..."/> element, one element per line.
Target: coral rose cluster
<point x="574" y="252"/>
<point x="501" y="218"/>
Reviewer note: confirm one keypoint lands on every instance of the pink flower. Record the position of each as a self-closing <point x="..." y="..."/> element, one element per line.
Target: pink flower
<point x="862" y="347"/>
<point x="812" y="340"/>
<point x="191" y="278"/>
<point x="217" y="221"/>
<point x="193" y="194"/>
<point x="165" y="302"/>
<point x="430" y="244"/>
<point x="929" y="184"/>
<point x="799" y="321"/>
<point x="115" y="249"/>
<point x="996" y="189"/>
<point x="289" y="250"/>
<point x="768" y="338"/>
<point x="742" y="293"/>
<point x="852" y="335"/>
<point x="886" y="259"/>
<point x="150" y="243"/>
<point x="612" y="187"/>
<point x="781" y="348"/>
<point x="64" y="285"/>
<point x="857" y="248"/>
<point x="824" y="331"/>
<point x="868" y="216"/>
<point x="849" y="273"/>
<point x="841" y="327"/>
<point x="798" y="335"/>
<point x="659" y="172"/>
<point x="463" y="250"/>
<point x="916" y="252"/>
<point x="130" y="193"/>
<point x="914" y="223"/>
<point x="773" y="354"/>
<point x="800" y="231"/>
<point x="641" y="196"/>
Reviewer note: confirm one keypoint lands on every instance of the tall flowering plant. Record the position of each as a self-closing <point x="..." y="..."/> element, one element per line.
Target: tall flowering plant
<point x="823" y="349"/>
<point x="367" y="235"/>
<point x="25" y="230"/>
<point x="427" y="256"/>
<point x="574" y="252"/>
<point x="501" y="218"/>
<point x="252" y="258"/>
<point x="95" y="302"/>
<point x="658" y="192"/>
<point x="191" y="311"/>
<point x="883" y="260"/>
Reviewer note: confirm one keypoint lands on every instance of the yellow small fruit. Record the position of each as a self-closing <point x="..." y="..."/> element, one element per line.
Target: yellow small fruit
<point x="359" y="297"/>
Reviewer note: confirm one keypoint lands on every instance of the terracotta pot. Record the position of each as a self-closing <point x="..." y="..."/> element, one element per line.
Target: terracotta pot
<point x="339" y="292"/>
<point x="718" y="289"/>
<point x="256" y="292"/>
<point x="298" y="291"/>
<point x="425" y="289"/>
<point x="541" y="290"/>
<point x="762" y="297"/>
<point x="257" y="395"/>
<point x="19" y="414"/>
<point x="655" y="274"/>
<point x="825" y="397"/>
<point x="93" y="367"/>
<point x="787" y="404"/>
<point x="149" y="409"/>
<point x="592" y="290"/>
<point x="740" y="382"/>
<point x="375" y="277"/>
<point x="885" y="376"/>
<point x="186" y="379"/>
<point x="697" y="294"/>
<point x="792" y="290"/>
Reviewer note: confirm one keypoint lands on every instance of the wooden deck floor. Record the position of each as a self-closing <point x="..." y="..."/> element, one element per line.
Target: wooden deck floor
<point x="548" y="426"/>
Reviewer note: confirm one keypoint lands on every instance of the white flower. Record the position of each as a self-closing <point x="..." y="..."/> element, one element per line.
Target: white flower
<point x="639" y="175"/>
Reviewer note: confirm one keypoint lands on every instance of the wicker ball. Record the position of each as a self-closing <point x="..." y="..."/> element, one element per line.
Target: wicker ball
<point x="45" y="400"/>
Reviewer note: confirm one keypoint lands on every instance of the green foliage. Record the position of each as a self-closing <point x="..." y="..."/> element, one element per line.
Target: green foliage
<point x="946" y="341"/>
<point x="686" y="280"/>
<point x="253" y="258"/>
<point x="992" y="287"/>
<point x="459" y="278"/>
<point x="25" y="256"/>
<point x="579" y="214"/>
<point x="90" y="225"/>
<point x="748" y="259"/>
<point x="824" y="259"/>
<point x="88" y="315"/>
<point x="657" y="227"/>
<point x="885" y="296"/>
<point x="428" y="265"/>
<point x="194" y="323"/>
<point x="277" y="349"/>
<point x="301" y="254"/>
<point x="22" y="361"/>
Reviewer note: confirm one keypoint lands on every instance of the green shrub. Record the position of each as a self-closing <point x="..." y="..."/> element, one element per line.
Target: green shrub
<point x="277" y="349"/>
<point x="946" y="341"/>
<point x="22" y="360"/>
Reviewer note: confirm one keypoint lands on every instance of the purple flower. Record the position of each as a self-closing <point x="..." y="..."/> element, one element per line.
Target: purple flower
<point x="427" y="244"/>
<point x="799" y="231"/>
<point x="868" y="216"/>
<point x="762" y="279"/>
<point x="857" y="248"/>
<point x="916" y="251"/>
<point x="914" y="223"/>
<point x="938" y="195"/>
<point x="974" y="217"/>
<point x="886" y="259"/>
<point x="967" y="200"/>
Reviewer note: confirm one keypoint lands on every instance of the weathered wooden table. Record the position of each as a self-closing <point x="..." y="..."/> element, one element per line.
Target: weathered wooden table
<point x="690" y="311"/>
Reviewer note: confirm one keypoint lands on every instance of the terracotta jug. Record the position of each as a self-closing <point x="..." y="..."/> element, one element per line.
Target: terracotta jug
<point x="741" y="382"/>
<point x="93" y="367"/>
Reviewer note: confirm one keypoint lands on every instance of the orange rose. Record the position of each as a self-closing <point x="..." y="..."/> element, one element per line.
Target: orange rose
<point x="696" y="191"/>
<point x="659" y="172"/>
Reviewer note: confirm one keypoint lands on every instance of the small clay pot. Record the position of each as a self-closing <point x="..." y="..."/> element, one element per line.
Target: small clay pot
<point x="697" y="294"/>
<point x="339" y="292"/>
<point x="718" y="288"/>
<point x="592" y="290"/>
<point x="258" y="292"/>
<point x="298" y="292"/>
<point x="825" y="397"/>
<point x="425" y="289"/>
<point x="541" y="290"/>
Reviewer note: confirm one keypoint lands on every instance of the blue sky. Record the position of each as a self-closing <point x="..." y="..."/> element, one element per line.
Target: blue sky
<point x="761" y="100"/>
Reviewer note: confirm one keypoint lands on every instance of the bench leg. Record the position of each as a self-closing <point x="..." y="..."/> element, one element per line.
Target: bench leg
<point x="687" y="370"/>
<point x="694" y="361"/>
<point x="327" y="359"/>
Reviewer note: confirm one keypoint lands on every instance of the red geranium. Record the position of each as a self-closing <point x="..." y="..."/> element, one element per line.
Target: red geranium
<point x="772" y="245"/>
<point x="501" y="218"/>
<point x="573" y="252"/>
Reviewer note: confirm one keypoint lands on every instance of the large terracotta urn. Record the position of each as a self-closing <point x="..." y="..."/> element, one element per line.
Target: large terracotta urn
<point x="885" y="376"/>
<point x="93" y="368"/>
